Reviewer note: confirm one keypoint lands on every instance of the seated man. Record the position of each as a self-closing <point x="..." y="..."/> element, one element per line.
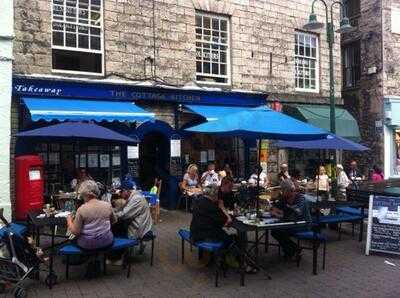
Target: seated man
<point x="209" y="217"/>
<point x="92" y="223"/>
<point x="210" y="176"/>
<point x="135" y="212"/>
<point x="259" y="172"/>
<point x="291" y="207"/>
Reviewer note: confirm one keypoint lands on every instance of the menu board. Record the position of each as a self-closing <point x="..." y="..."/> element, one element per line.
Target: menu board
<point x="383" y="225"/>
<point x="133" y="167"/>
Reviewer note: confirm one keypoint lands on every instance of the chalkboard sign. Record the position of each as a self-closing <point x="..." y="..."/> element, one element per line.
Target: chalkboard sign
<point x="133" y="167"/>
<point x="175" y="167"/>
<point x="383" y="225"/>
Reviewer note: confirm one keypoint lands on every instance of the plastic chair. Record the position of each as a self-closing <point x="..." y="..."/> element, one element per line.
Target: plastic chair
<point x="149" y="236"/>
<point x="311" y="236"/>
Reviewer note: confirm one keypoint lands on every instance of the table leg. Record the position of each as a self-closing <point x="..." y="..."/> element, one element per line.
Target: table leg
<point x="256" y="247"/>
<point x="37" y="236"/>
<point x="242" y="248"/>
<point x="51" y="277"/>
<point x="360" y="236"/>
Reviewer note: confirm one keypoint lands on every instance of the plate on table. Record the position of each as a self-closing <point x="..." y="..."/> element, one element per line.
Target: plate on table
<point x="241" y="218"/>
<point x="266" y="214"/>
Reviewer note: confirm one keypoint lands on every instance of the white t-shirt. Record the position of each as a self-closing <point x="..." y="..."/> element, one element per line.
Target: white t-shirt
<point x="322" y="182"/>
<point x="209" y="178"/>
<point x="263" y="179"/>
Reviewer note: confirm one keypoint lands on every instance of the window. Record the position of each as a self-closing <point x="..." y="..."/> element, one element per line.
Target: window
<point x="351" y="65"/>
<point x="212" y="48"/>
<point x="306" y="62"/>
<point x="77" y="35"/>
<point x="351" y="8"/>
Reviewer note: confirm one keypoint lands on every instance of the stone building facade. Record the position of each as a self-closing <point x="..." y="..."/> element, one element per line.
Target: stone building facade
<point x="373" y="78"/>
<point x="261" y="49"/>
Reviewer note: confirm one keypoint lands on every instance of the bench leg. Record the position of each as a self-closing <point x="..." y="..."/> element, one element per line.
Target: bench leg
<point x="200" y="253"/>
<point x="104" y="264"/>
<point x="340" y="231"/>
<point x="298" y="259"/>
<point x="352" y="229"/>
<point x="67" y="268"/>
<point x="183" y="251"/>
<point x="152" y="252"/>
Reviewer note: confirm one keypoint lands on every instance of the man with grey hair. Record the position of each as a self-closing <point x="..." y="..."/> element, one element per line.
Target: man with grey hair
<point x="209" y="218"/>
<point x="290" y="207"/>
<point x="92" y="223"/>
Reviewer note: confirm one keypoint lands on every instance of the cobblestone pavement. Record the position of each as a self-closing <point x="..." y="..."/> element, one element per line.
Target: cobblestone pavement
<point x="348" y="273"/>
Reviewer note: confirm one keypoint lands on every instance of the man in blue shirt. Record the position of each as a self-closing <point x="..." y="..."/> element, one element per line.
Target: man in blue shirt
<point x="292" y="206"/>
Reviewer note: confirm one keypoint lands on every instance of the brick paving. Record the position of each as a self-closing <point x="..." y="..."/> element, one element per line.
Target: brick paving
<point x="349" y="273"/>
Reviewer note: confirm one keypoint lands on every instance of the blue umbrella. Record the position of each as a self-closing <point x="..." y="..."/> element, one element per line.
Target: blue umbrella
<point x="77" y="131"/>
<point x="330" y="142"/>
<point x="261" y="123"/>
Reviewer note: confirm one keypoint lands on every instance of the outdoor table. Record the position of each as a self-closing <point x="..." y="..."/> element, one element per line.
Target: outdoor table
<point x="242" y="230"/>
<point x="51" y="222"/>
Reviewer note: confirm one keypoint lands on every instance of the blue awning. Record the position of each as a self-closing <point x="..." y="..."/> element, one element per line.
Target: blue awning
<point x="63" y="109"/>
<point x="212" y="113"/>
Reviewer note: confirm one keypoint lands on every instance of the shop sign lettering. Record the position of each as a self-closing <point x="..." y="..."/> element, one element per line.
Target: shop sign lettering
<point x="32" y="89"/>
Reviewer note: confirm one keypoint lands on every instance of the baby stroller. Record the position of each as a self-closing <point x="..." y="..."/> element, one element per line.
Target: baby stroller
<point x="18" y="259"/>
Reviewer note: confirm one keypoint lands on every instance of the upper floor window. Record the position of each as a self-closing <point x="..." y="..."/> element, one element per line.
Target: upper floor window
<point x="77" y="35"/>
<point x="351" y="65"/>
<point x="212" y="49"/>
<point x="351" y="8"/>
<point x="306" y="62"/>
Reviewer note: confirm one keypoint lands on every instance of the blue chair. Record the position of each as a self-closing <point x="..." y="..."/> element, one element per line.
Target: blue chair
<point x="311" y="236"/>
<point x="350" y="211"/>
<point x="118" y="244"/>
<point x="212" y="247"/>
<point x="15" y="228"/>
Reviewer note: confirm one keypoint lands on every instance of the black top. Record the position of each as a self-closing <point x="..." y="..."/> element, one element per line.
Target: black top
<point x="207" y="221"/>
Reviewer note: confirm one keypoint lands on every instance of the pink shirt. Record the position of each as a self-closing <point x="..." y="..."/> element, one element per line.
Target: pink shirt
<point x="377" y="177"/>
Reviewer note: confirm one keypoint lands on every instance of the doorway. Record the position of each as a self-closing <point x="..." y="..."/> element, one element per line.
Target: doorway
<point x="154" y="158"/>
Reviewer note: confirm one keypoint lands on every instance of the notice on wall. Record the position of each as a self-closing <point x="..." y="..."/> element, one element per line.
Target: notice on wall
<point x="211" y="154"/>
<point x="54" y="158"/>
<point x="203" y="156"/>
<point x="175" y="148"/>
<point x="175" y="167"/>
<point x="93" y="161"/>
<point x="133" y="152"/>
<point x="104" y="160"/>
<point x="383" y="225"/>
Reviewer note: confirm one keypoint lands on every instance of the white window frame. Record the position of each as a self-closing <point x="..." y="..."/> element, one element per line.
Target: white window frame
<point x="76" y="49"/>
<point x="228" y="76"/>
<point x="317" y="64"/>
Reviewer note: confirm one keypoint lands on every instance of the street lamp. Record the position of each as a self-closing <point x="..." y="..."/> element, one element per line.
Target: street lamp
<point x="314" y="24"/>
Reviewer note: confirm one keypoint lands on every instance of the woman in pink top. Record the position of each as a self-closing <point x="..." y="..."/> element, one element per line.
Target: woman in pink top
<point x="377" y="174"/>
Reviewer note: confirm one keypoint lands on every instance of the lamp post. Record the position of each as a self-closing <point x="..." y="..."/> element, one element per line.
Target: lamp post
<point x="313" y="24"/>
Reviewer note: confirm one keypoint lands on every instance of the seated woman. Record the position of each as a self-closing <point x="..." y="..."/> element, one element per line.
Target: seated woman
<point x="92" y="223"/>
<point x="191" y="183"/>
<point x="263" y="177"/>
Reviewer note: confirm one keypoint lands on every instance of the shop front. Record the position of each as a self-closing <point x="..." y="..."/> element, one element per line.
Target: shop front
<point x="392" y="137"/>
<point x="154" y="115"/>
<point x="307" y="161"/>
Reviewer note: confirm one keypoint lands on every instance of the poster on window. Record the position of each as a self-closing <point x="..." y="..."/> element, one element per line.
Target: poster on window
<point x="133" y="152"/>
<point x="211" y="154"/>
<point x="116" y="160"/>
<point x="82" y="161"/>
<point x="175" y="148"/>
<point x="93" y="161"/>
<point x="104" y="160"/>
<point x="54" y="158"/>
<point x="203" y="156"/>
<point x="383" y="233"/>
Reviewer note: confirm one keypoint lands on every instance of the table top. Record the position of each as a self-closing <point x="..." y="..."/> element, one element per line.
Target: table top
<point x="46" y="221"/>
<point x="281" y="225"/>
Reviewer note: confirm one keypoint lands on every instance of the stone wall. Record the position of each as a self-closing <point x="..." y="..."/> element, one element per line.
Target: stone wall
<point x="258" y="28"/>
<point x="365" y="102"/>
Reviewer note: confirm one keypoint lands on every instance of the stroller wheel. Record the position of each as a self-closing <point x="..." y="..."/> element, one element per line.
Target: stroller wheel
<point x="51" y="280"/>
<point x="19" y="292"/>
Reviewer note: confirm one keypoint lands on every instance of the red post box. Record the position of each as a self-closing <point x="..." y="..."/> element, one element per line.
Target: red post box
<point x="29" y="185"/>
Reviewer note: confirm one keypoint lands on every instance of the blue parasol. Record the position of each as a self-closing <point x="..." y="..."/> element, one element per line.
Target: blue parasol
<point x="78" y="131"/>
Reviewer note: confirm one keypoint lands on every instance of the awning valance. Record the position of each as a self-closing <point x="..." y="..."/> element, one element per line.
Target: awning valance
<point x="63" y="109"/>
<point x="319" y="116"/>
<point x="212" y="113"/>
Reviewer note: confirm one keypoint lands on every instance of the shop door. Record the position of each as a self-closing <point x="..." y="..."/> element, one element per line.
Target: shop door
<point x="154" y="159"/>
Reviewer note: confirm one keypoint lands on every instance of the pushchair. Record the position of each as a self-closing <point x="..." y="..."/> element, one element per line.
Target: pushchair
<point x="18" y="259"/>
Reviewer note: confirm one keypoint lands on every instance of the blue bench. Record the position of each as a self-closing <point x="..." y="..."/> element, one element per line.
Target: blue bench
<point x="213" y="247"/>
<point x="72" y="249"/>
<point x="339" y="218"/>
<point x="350" y="211"/>
<point x="15" y="228"/>
<point x="311" y="236"/>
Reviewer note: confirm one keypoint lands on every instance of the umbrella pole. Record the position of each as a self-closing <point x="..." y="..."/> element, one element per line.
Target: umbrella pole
<point x="258" y="178"/>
